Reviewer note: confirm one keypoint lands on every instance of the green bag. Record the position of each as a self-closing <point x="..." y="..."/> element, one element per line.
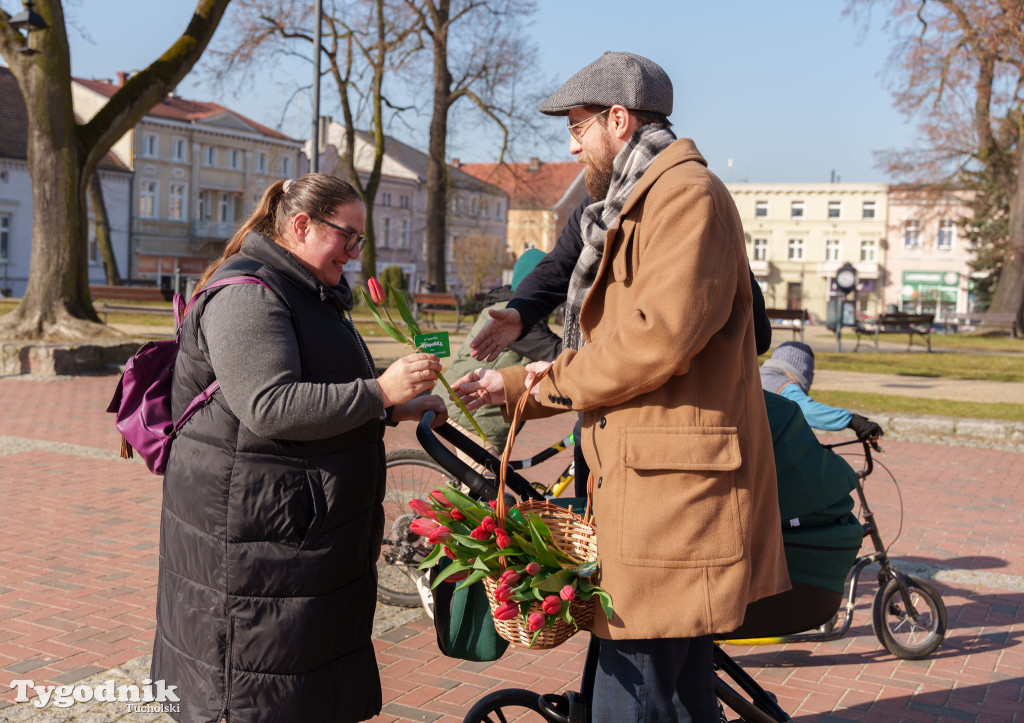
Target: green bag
<point x="463" y="622"/>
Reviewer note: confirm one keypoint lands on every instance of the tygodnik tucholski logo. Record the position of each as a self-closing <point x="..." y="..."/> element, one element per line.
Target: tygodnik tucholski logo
<point x="137" y="699"/>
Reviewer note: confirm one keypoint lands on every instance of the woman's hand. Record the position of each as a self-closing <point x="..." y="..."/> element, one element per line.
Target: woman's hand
<point x="413" y="410"/>
<point x="480" y="387"/>
<point x="408" y="377"/>
<point x="532" y="370"/>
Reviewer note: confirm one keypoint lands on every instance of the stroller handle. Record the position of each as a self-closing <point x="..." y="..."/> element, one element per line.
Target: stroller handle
<point x="484" y="487"/>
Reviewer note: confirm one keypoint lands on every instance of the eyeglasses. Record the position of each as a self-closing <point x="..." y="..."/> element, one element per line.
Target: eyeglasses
<point x="353" y="240"/>
<point x="576" y="132"/>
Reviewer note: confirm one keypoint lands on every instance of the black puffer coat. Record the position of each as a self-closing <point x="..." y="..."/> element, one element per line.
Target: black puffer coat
<point x="267" y="582"/>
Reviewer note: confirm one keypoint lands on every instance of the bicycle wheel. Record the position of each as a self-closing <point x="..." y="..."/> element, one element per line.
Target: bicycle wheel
<point x="411" y="474"/>
<point x="503" y="706"/>
<point x="901" y="635"/>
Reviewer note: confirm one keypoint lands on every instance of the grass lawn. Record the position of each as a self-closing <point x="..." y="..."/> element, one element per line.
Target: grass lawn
<point x="957" y="342"/>
<point x="897" y="404"/>
<point x="947" y="365"/>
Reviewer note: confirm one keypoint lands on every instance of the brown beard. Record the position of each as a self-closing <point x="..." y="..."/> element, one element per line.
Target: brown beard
<point x="597" y="176"/>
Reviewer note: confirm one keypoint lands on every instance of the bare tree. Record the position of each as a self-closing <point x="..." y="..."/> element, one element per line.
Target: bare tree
<point x="478" y="53"/>
<point x="361" y="40"/>
<point x="101" y="224"/>
<point x="63" y="155"/>
<point x="478" y="259"/>
<point x="960" y="73"/>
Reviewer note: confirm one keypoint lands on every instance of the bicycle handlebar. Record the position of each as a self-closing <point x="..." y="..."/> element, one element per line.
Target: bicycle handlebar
<point x="482" y="486"/>
<point x="868" y="444"/>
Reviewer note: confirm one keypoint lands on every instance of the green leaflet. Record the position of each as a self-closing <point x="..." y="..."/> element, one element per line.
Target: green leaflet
<point x="471" y="543"/>
<point x="432" y="558"/>
<point x="544" y="554"/>
<point x="403" y="309"/>
<point x="525" y="546"/>
<point x="474" y="577"/>
<point x="395" y="333"/>
<point x="555" y="582"/>
<point x="452" y="569"/>
<point x="587" y="569"/>
<point x="481" y="566"/>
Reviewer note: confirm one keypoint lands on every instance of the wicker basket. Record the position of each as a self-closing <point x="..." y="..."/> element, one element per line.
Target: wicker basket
<point x="573" y="534"/>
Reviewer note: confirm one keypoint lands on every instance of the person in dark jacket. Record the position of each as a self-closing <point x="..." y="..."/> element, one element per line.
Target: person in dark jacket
<point x="272" y="518"/>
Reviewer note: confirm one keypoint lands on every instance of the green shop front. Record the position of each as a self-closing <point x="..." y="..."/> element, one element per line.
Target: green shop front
<point x="933" y="292"/>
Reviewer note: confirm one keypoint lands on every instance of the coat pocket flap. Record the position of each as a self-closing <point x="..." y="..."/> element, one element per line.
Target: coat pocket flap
<point x="685" y="448"/>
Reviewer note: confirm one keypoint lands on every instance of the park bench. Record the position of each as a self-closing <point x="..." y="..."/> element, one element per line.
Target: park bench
<point x="984" y="321"/>
<point x="897" y="323"/>
<point x="130" y="293"/>
<point x="792" y="319"/>
<point x="105" y="308"/>
<point x="426" y="303"/>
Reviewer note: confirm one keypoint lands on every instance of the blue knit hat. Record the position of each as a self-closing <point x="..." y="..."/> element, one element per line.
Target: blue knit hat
<point x="796" y="358"/>
<point x="525" y="265"/>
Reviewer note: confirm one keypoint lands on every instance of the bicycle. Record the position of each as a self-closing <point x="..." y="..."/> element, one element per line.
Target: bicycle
<point x="411" y="473"/>
<point x="908" y="615"/>
<point x="747" y="699"/>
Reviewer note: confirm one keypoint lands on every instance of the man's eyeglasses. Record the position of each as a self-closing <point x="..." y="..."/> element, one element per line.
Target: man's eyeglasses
<point x="353" y="240"/>
<point x="577" y="132"/>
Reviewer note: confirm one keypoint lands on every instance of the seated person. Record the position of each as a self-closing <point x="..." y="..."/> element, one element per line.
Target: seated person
<point x="790" y="373"/>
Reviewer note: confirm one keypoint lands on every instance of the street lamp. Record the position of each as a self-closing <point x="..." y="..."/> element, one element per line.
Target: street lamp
<point x="30" y="20"/>
<point x="314" y="161"/>
<point x="846" y="281"/>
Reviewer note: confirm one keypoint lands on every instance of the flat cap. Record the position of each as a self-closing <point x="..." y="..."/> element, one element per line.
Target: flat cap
<point x="625" y="79"/>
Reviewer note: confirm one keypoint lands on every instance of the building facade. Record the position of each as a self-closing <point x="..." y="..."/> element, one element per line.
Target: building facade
<point x="541" y="195"/>
<point x="199" y="170"/>
<point x="16" y="198"/>
<point x="798" y="235"/>
<point x="927" y="260"/>
<point x="476" y="209"/>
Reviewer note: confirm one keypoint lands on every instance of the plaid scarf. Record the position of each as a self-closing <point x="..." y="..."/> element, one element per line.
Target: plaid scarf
<point x="630" y="164"/>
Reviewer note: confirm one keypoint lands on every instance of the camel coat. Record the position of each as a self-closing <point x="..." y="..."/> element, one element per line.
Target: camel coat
<point x="674" y="421"/>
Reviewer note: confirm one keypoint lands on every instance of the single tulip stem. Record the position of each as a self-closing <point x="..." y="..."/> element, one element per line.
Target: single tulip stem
<point x="462" y="406"/>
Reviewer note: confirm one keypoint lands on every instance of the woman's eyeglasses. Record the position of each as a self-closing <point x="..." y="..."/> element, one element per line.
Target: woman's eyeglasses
<point x="353" y="240"/>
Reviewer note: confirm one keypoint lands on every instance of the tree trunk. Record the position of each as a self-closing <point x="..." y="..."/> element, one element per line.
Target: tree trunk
<point x="437" y="169"/>
<point x="102" y="225"/>
<point x="1008" y="297"/>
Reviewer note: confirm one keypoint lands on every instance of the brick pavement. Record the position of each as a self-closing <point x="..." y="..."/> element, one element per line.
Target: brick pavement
<point x="78" y="543"/>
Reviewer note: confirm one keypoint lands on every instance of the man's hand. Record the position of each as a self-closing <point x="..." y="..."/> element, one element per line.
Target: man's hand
<point x="532" y="370"/>
<point x="480" y="387"/>
<point x="864" y="428"/>
<point x="504" y="328"/>
<point x="413" y="410"/>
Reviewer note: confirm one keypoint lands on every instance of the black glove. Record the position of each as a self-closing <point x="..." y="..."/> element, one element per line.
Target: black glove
<point x="864" y="427"/>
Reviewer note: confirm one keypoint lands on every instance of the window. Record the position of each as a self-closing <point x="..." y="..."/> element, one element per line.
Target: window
<point x="403" y="234"/>
<point x="234" y="159"/>
<point x="385" y="199"/>
<point x="179" y="150"/>
<point x="176" y="201"/>
<point x="946" y="231"/>
<point x="867" y="249"/>
<point x="385" y="237"/>
<point x="203" y="206"/>
<point x="225" y="201"/>
<point x="261" y="162"/>
<point x="458" y="206"/>
<point x="487" y="210"/>
<point x="5" y="236"/>
<point x="403" y="201"/>
<point x="761" y="209"/>
<point x="149" y="145"/>
<point x="210" y="156"/>
<point x="760" y="249"/>
<point x="497" y="210"/>
<point x="832" y="249"/>
<point x="834" y="208"/>
<point x="94" y="246"/>
<point x="912" y="233"/>
<point x="472" y="208"/>
<point x="286" y="166"/>
<point x="868" y="210"/>
<point x="147" y="199"/>
<point x="795" y="249"/>
<point x="796" y="209"/>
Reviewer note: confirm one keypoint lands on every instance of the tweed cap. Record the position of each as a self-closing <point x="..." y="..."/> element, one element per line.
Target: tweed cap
<point x="625" y="79"/>
<point x="798" y="359"/>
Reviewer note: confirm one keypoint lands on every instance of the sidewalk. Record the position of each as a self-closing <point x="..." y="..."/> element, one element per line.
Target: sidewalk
<point x="79" y="544"/>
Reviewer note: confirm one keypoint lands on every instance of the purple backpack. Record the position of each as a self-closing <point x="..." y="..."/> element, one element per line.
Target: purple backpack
<point x="142" y="401"/>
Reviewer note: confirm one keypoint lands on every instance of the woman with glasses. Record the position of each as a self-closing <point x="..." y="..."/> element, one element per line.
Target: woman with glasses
<point x="272" y="517"/>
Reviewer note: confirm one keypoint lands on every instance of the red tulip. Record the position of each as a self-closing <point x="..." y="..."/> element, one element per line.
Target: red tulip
<point x="535" y="622"/>
<point x="488" y="523"/>
<point x="502" y="538"/>
<point x="480" y="533"/>
<point x="506" y="611"/>
<point x="422" y="526"/>
<point x="567" y="593"/>
<point x="440" y="498"/>
<point x="422" y="508"/>
<point x="510" y="577"/>
<point x="552" y="604"/>
<point x="376" y="291"/>
<point x="449" y="553"/>
<point x="502" y="593"/>
<point x="456" y="513"/>
<point x="493" y="504"/>
<point x="457" y="576"/>
<point x="533" y="568"/>
<point x="438" y="535"/>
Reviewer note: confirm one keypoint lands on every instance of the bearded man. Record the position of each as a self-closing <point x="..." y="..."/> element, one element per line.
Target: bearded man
<point x="660" y="359"/>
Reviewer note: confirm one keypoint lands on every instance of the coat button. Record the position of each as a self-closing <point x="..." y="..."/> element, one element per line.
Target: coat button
<point x="602" y="422"/>
<point x="552" y="398"/>
<point x="599" y="480"/>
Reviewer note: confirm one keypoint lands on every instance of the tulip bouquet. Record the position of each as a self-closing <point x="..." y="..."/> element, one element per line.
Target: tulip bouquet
<point x="375" y="303"/>
<point x="538" y="581"/>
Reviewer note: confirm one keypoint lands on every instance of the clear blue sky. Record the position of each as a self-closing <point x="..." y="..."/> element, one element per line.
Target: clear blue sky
<point x="789" y="90"/>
